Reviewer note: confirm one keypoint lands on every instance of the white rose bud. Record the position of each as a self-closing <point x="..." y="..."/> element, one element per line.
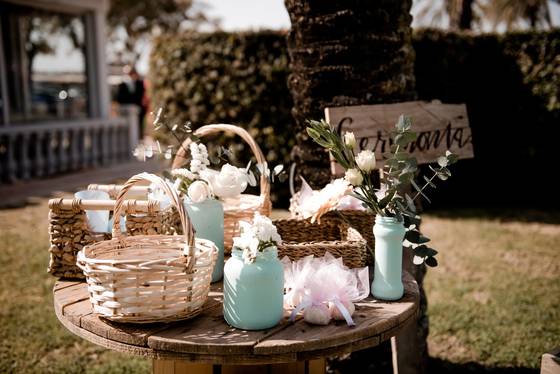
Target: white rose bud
<point x="350" y="140"/>
<point x="354" y="177"/>
<point x="198" y="191"/>
<point x="366" y="160"/>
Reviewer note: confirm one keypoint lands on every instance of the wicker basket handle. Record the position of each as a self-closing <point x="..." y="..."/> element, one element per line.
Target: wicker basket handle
<point x="182" y="156"/>
<point x="188" y="229"/>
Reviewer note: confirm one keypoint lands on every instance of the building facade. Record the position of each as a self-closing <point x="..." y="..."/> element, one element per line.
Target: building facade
<point x="54" y="97"/>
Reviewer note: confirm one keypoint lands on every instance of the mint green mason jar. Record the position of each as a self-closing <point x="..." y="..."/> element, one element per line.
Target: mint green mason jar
<point x="387" y="276"/>
<point x="254" y="292"/>
<point x="207" y="217"/>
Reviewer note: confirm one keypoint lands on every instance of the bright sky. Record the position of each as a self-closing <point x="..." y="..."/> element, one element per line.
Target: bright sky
<point x="248" y="14"/>
<point x="234" y="15"/>
<point x="272" y="14"/>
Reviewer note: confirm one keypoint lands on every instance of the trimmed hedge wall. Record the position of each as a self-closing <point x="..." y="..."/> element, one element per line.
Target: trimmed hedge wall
<point x="510" y="83"/>
<point x="228" y="78"/>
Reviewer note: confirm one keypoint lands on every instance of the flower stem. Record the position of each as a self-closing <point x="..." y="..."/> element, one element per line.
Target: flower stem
<point x="424" y="187"/>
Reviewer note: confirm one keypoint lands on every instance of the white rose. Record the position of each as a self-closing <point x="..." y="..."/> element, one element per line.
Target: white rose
<point x="366" y="160"/>
<point x="350" y="140"/>
<point x="354" y="177"/>
<point x="230" y="182"/>
<point x="198" y="191"/>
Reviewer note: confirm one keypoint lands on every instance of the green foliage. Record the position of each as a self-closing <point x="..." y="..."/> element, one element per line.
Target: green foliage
<point x="132" y="23"/>
<point x="228" y="78"/>
<point x="511" y="86"/>
<point x="398" y="174"/>
<point x="510" y="83"/>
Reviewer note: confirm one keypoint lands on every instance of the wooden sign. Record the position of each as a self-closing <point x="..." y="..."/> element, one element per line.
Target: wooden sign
<point x="439" y="127"/>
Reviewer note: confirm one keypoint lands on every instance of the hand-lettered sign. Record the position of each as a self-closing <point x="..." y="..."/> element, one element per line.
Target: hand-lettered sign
<point x="439" y="127"/>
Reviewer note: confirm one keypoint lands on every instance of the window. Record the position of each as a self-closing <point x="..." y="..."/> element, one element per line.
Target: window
<point x="45" y="64"/>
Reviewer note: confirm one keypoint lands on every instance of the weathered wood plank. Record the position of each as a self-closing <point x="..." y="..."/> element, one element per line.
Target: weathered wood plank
<point x="207" y="339"/>
<point x="439" y="127"/>
<point x="69" y="295"/>
<point x="340" y="350"/>
<point x="121" y="332"/>
<point x="182" y="367"/>
<point x="163" y="367"/>
<point x="210" y="334"/>
<point x="60" y="284"/>
<point x="74" y="312"/>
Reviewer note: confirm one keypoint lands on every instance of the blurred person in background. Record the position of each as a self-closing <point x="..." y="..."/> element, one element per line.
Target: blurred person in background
<point x="132" y="91"/>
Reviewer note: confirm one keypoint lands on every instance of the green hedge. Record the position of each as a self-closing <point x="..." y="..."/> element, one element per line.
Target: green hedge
<point x="228" y="78"/>
<point x="510" y="83"/>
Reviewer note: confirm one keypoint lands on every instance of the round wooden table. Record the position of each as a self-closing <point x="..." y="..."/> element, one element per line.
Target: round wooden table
<point x="207" y="344"/>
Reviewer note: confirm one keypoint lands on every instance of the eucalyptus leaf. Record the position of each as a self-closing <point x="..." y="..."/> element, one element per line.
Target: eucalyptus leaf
<point x="404" y="123"/>
<point x="419" y="190"/>
<point x="431" y="261"/>
<point x="412" y="221"/>
<point x="278" y="169"/>
<point x="451" y="157"/>
<point x="412" y="236"/>
<point x="429" y="182"/>
<point x="402" y="156"/>
<point x="404" y="138"/>
<point x="410" y="203"/>
<point x="420" y="250"/>
<point x="442" y="161"/>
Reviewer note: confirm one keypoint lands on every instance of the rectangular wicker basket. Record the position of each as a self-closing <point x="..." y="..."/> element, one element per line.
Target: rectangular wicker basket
<point x="302" y="238"/>
<point x="69" y="231"/>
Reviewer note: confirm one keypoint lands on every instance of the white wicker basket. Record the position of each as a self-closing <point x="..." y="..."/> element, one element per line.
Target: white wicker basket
<point x="149" y="278"/>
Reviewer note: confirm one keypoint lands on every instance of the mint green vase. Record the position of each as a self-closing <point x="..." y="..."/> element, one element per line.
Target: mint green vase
<point x="254" y="292"/>
<point x="207" y="217"/>
<point x="387" y="276"/>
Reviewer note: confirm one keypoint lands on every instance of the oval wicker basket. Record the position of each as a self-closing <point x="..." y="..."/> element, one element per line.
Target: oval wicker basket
<point x="149" y="278"/>
<point x="301" y="238"/>
<point x="244" y="207"/>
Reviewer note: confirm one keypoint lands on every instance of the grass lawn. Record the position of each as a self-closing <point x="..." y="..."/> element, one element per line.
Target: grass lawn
<point x="493" y="300"/>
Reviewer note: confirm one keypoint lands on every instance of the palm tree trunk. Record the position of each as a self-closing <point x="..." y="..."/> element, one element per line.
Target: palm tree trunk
<point x="352" y="52"/>
<point x="345" y="52"/>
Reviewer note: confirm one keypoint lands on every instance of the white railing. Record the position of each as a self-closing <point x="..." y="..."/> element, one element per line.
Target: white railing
<point x="49" y="148"/>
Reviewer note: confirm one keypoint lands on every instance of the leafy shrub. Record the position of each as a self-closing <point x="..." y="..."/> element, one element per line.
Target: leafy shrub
<point x="510" y="83"/>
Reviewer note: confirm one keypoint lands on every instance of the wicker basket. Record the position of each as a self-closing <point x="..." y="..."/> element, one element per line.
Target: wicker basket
<point x="149" y="278"/>
<point x="244" y="207"/>
<point x="360" y="220"/>
<point x="69" y="231"/>
<point x="332" y="235"/>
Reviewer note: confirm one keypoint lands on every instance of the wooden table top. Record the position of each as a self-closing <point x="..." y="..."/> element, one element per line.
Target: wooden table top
<point x="209" y="339"/>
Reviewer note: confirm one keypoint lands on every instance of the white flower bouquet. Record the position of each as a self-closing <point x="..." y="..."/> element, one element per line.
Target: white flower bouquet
<point x="200" y="182"/>
<point x="256" y="237"/>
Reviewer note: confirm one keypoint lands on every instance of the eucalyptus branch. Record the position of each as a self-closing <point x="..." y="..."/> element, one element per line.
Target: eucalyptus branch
<point x="428" y="183"/>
